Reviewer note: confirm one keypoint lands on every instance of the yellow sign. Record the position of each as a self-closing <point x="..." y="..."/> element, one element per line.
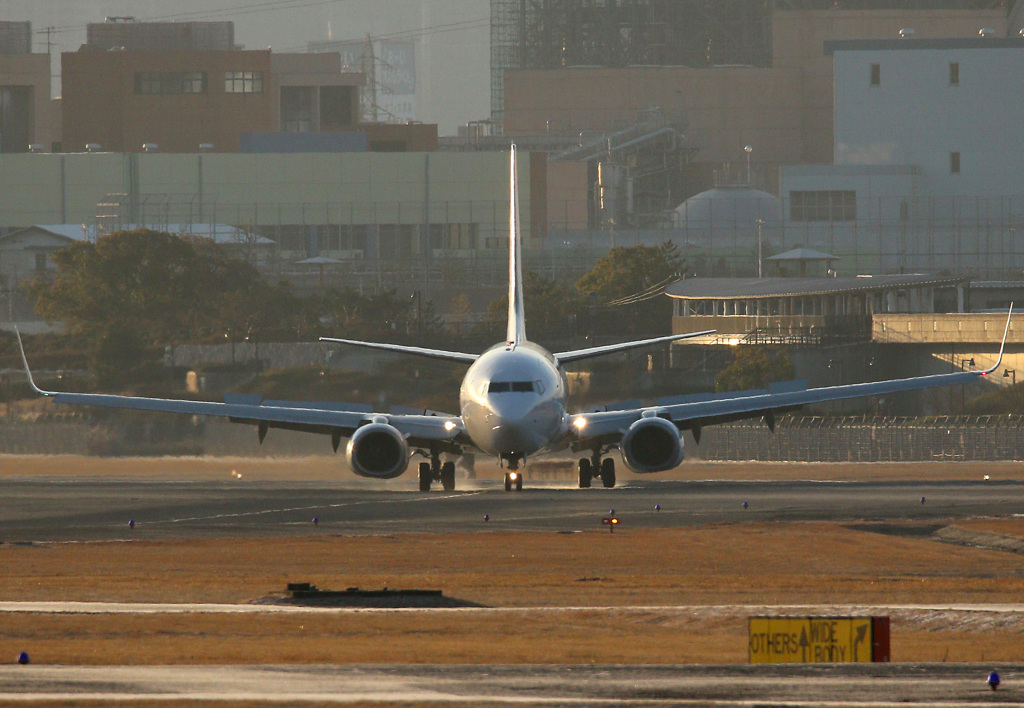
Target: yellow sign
<point x="779" y="640"/>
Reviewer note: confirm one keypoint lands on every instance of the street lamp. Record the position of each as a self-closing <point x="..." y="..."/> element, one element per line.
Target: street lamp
<point x="417" y="295"/>
<point x="748" y="149"/>
<point x="1007" y="373"/>
<point x="963" y="387"/>
<point x="760" y="261"/>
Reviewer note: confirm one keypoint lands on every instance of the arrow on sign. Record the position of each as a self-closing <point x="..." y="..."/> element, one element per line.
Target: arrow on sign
<point x="862" y="633"/>
<point x="804" y="643"/>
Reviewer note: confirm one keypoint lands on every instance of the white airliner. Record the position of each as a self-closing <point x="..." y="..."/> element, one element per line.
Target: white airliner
<point x="513" y="407"/>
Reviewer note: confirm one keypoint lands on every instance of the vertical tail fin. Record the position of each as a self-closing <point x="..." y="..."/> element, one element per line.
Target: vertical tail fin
<point x="516" y="333"/>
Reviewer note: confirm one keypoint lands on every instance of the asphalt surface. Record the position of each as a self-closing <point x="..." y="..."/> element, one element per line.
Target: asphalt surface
<point x="806" y="685"/>
<point x="56" y="509"/>
<point x="90" y="509"/>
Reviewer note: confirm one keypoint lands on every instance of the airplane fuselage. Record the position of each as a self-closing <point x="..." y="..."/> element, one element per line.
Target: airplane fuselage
<point x="512" y="401"/>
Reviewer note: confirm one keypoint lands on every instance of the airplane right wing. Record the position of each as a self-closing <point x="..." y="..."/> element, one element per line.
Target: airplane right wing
<point x="307" y="417"/>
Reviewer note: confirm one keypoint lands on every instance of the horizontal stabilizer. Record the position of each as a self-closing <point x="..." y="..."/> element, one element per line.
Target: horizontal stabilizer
<point x="578" y="354"/>
<point x="405" y="349"/>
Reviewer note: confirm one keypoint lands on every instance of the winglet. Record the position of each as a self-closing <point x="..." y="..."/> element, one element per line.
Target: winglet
<point x="28" y="372"/>
<point x="1002" y="346"/>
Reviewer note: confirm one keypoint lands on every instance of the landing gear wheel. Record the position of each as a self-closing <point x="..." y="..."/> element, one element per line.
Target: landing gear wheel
<point x="448" y="476"/>
<point x="426" y="476"/>
<point x="586" y="474"/>
<point x="608" y="472"/>
<point x="508" y="482"/>
<point x="519" y="482"/>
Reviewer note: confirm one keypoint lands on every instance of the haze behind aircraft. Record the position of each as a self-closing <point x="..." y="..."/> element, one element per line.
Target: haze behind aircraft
<point x="513" y="406"/>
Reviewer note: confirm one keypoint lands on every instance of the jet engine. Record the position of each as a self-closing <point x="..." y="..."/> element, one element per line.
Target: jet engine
<point x="652" y="444"/>
<point x="377" y="450"/>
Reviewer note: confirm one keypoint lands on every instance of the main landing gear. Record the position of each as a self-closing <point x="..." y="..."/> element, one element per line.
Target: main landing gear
<point x="594" y="466"/>
<point x="436" y="471"/>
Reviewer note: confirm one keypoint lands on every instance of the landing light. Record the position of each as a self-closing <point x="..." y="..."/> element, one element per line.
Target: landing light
<point x="733" y="341"/>
<point x="513" y="476"/>
<point x="449" y="425"/>
<point x="580" y="423"/>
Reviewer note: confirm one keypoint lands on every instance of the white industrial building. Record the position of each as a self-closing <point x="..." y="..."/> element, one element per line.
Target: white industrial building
<point x="928" y="146"/>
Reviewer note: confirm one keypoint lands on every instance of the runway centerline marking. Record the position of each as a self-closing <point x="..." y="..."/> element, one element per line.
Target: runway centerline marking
<point x="283" y="510"/>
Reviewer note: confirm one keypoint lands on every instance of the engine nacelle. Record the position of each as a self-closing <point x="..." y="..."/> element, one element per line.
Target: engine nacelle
<point x="652" y="444"/>
<point x="377" y="450"/>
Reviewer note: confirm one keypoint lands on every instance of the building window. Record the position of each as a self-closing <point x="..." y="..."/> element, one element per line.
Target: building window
<point x="169" y="82"/>
<point x="954" y="163"/>
<point x="876" y="74"/>
<point x="243" y="82"/>
<point x="836" y="205"/>
<point x="954" y="73"/>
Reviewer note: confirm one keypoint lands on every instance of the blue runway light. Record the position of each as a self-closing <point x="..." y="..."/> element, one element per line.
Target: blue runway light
<point x="316" y="520"/>
<point x="745" y="505"/>
<point x="23" y="658"/>
<point x="612" y="512"/>
<point x="922" y="500"/>
<point x="131" y="523"/>
<point x="993" y="680"/>
<point x="657" y="507"/>
<point x="487" y="517"/>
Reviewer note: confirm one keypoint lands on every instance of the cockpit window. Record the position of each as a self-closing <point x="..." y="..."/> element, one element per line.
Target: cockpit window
<point x="515" y="387"/>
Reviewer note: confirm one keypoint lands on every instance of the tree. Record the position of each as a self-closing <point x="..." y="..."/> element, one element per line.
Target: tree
<point x="551" y="307"/>
<point x="131" y="291"/>
<point x="754" y="367"/>
<point x="380" y="317"/>
<point x="627" y="271"/>
<point x="631" y="271"/>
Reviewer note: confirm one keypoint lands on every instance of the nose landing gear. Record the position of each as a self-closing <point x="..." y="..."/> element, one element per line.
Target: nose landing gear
<point x="513" y="478"/>
<point x="595" y="466"/>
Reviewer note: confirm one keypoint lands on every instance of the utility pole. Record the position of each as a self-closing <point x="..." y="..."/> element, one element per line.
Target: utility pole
<point x="369" y="64"/>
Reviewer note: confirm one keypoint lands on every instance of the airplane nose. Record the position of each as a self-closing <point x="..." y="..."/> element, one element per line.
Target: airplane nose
<point x="512" y="428"/>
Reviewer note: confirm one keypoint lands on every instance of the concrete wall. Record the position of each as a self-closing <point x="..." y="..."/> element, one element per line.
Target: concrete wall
<point x="973" y="328"/>
<point x="100" y="104"/>
<point x="33" y="70"/>
<point x="915" y="116"/>
<point x="784" y="112"/>
<point x="272" y="189"/>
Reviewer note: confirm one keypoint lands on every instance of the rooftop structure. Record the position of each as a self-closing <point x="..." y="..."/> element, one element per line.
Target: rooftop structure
<point x="127" y="34"/>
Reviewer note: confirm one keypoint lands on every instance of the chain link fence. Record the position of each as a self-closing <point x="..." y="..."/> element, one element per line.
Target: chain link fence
<point x="797" y="439"/>
<point x="867" y="439"/>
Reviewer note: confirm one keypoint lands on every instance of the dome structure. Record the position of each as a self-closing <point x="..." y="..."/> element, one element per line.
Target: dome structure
<point x="729" y="209"/>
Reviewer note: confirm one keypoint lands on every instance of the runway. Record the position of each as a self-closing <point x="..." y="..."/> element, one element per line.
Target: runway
<point x="821" y="685"/>
<point x="72" y="509"/>
<point x="96" y="509"/>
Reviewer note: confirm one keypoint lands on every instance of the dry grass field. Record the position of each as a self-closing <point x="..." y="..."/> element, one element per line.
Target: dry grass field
<point x="637" y="596"/>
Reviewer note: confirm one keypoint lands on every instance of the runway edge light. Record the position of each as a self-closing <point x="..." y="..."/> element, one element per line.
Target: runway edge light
<point x="23" y="658"/>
